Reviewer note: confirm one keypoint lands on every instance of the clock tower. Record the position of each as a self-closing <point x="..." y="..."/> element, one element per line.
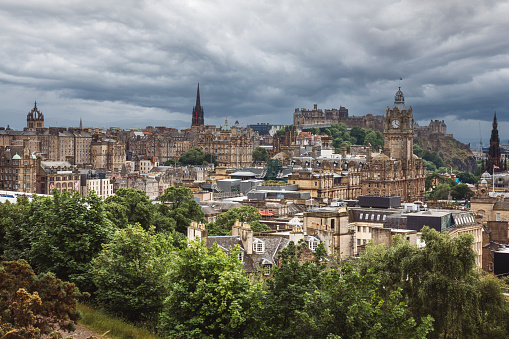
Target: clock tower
<point x="399" y="130"/>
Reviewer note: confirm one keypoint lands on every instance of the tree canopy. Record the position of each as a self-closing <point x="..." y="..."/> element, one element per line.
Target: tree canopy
<point x="260" y="154"/>
<point x="224" y="221"/>
<point x="129" y="273"/>
<point x="195" y="156"/>
<point x="209" y="294"/>
<point x="440" y="280"/>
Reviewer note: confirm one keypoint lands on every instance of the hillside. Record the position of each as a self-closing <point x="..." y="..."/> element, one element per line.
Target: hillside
<point x="454" y="153"/>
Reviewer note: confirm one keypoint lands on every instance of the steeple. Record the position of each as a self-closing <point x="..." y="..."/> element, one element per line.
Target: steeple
<point x="494" y="163"/>
<point x="198" y="119"/>
<point x="81" y="124"/>
<point x="198" y="96"/>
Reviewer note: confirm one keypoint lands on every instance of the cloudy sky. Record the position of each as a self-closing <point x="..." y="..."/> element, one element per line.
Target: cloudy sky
<point x="133" y="63"/>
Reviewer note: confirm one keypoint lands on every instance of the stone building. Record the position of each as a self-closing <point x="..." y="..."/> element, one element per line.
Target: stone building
<point x="396" y="171"/>
<point x="232" y="146"/>
<point x="59" y="175"/>
<point x="18" y="169"/>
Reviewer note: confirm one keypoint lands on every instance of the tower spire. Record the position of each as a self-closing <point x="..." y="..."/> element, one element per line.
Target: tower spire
<point x="198" y="119"/>
<point x="198" y="96"/>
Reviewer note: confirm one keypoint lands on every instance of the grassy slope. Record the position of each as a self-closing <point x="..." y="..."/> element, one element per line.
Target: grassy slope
<point x="100" y="322"/>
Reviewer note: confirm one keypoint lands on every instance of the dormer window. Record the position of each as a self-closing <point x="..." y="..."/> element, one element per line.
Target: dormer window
<point x="266" y="269"/>
<point x="258" y="246"/>
<point x="313" y="243"/>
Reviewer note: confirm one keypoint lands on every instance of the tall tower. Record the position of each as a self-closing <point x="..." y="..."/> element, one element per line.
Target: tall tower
<point x="399" y="131"/>
<point x="35" y="119"/>
<point x="494" y="158"/>
<point x="198" y="111"/>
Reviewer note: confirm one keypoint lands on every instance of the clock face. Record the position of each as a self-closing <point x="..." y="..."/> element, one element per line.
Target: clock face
<point x="395" y="123"/>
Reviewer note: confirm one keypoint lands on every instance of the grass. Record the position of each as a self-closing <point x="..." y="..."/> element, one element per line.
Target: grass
<point x="109" y="326"/>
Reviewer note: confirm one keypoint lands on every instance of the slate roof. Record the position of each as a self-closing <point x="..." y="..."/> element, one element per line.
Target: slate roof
<point x="272" y="245"/>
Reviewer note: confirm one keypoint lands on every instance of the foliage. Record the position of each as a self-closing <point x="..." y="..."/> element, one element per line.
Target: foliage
<point x="375" y="139"/>
<point x="129" y="206"/>
<point x="308" y="299"/>
<point x="129" y="273"/>
<point x="418" y="150"/>
<point x="182" y="207"/>
<point x="441" y="280"/>
<point x="359" y="134"/>
<point x="441" y="192"/>
<point x="14" y="240"/>
<point x="67" y="231"/>
<point x="260" y="154"/>
<point x="32" y="305"/>
<point x="467" y="178"/>
<point x="209" y="294"/>
<point x="172" y="162"/>
<point x="430" y="167"/>
<point x="195" y="156"/>
<point x="224" y="221"/>
<point x="314" y="131"/>
<point x="283" y="303"/>
<point x="433" y="157"/>
<point x="461" y="192"/>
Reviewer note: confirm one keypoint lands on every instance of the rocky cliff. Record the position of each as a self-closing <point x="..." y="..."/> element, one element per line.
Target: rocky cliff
<point x="454" y="153"/>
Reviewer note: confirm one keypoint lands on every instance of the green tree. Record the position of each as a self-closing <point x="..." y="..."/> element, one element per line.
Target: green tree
<point x="374" y="138"/>
<point x="209" y="294"/>
<point x="314" y="131"/>
<point x="467" y="178"/>
<point x="441" y="192"/>
<point x="418" y="150"/>
<point x="210" y="159"/>
<point x="260" y="154"/>
<point x="32" y="305"/>
<point x="179" y="205"/>
<point x="14" y="232"/>
<point x="194" y="156"/>
<point x="172" y="162"/>
<point x="130" y="206"/>
<point x="359" y="134"/>
<point x="224" y="221"/>
<point x="461" y="192"/>
<point x="430" y="167"/>
<point x="67" y="231"/>
<point x="441" y="280"/>
<point x="308" y="299"/>
<point x="129" y="273"/>
<point x="283" y="305"/>
<point x="433" y="157"/>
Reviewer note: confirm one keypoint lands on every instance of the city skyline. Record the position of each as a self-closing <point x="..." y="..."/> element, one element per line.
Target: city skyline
<point x="133" y="64"/>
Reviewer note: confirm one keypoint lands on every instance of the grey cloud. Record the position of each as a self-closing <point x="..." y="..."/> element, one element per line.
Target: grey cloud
<point x="255" y="61"/>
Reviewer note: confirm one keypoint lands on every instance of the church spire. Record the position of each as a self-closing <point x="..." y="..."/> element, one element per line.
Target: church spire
<point x="198" y="119"/>
<point x="198" y="96"/>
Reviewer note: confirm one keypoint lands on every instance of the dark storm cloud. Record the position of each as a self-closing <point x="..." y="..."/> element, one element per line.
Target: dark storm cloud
<point x="136" y="63"/>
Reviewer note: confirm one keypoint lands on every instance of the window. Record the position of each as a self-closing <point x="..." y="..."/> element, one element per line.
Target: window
<point x="361" y="216"/>
<point x="258" y="246"/>
<point x="358" y="229"/>
<point x="241" y="256"/>
<point x="498" y="216"/>
<point x="358" y="242"/>
<point x="266" y="269"/>
<point x="313" y="243"/>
